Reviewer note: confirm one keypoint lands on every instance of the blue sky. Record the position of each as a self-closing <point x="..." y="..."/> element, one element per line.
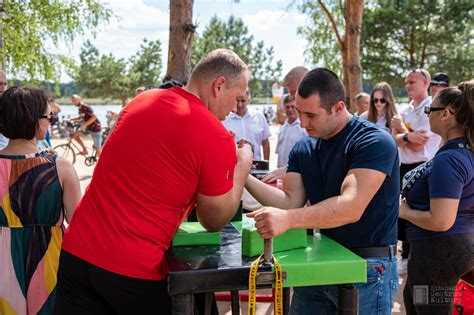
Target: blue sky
<point x="269" y="21"/>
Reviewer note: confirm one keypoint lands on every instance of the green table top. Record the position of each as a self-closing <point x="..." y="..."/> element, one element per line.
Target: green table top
<point x="193" y="233"/>
<point x="323" y="262"/>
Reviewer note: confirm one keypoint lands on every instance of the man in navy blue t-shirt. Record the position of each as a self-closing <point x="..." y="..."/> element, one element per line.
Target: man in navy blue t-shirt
<point x="349" y="171"/>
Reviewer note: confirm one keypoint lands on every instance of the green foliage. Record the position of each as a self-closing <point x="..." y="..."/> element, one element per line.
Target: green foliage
<point x="30" y="26"/>
<point x="233" y="34"/>
<point x="322" y="47"/>
<point x="105" y="76"/>
<point x="146" y="65"/>
<point x="437" y="35"/>
<point x="398" y="35"/>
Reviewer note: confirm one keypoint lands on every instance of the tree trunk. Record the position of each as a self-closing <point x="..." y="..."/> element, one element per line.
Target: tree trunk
<point x="180" y="40"/>
<point x="354" y="12"/>
<point x="345" y="73"/>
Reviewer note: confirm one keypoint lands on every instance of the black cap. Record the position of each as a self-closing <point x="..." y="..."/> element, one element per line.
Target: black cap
<point x="440" y="78"/>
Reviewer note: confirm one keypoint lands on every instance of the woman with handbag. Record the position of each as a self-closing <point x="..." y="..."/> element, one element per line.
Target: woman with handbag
<point x="439" y="205"/>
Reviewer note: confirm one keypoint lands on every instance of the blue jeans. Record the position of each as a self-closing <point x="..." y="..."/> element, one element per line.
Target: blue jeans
<point x="375" y="297"/>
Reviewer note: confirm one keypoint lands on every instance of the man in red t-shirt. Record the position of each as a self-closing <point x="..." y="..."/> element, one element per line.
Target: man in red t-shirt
<point x="167" y="153"/>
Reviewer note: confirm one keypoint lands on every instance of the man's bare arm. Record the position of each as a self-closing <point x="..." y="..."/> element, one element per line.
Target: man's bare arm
<point x="357" y="190"/>
<point x="292" y="195"/>
<point x="214" y="212"/>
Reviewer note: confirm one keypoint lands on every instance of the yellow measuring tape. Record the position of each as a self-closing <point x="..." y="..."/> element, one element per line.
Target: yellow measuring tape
<point x="252" y="303"/>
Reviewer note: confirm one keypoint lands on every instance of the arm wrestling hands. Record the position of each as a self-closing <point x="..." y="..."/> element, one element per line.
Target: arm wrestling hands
<point x="357" y="190"/>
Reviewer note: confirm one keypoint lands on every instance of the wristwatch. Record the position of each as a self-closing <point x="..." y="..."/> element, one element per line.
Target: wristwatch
<point x="405" y="137"/>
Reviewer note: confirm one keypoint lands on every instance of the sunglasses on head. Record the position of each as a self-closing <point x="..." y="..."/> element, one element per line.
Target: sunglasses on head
<point x="419" y="70"/>
<point x="48" y="117"/>
<point x="429" y="109"/>
<point x="381" y="100"/>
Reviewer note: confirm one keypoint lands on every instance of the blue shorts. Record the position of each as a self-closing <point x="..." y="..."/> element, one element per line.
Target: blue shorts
<point x="96" y="136"/>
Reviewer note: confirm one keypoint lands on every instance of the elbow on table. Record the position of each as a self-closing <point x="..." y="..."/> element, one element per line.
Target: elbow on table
<point x="217" y="220"/>
<point x="213" y="226"/>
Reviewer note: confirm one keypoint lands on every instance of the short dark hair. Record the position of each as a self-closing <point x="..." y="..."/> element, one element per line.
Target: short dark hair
<point x="20" y="111"/>
<point x="324" y="83"/>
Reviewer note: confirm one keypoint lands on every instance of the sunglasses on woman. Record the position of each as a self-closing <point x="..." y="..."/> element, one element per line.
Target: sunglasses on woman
<point x="381" y="100"/>
<point x="48" y="117"/>
<point x="429" y="109"/>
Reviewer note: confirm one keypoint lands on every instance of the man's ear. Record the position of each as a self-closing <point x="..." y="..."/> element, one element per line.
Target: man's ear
<point x="427" y="82"/>
<point x="218" y="84"/>
<point x="339" y="107"/>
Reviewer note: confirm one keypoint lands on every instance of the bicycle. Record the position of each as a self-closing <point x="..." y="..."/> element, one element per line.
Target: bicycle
<point x="70" y="149"/>
<point x="91" y="160"/>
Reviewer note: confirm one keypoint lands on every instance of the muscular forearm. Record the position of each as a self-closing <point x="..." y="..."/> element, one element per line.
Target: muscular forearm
<point x="268" y="195"/>
<point x="241" y="173"/>
<point x="330" y="213"/>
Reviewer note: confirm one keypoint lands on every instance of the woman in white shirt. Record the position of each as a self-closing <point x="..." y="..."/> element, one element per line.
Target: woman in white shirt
<point x="382" y="106"/>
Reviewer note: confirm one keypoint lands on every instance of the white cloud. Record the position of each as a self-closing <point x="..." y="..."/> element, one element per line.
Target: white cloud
<point x="137" y="19"/>
<point x="278" y="28"/>
<point x="132" y="22"/>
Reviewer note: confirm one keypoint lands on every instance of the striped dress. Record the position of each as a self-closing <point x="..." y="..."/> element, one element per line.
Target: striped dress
<point x="31" y="232"/>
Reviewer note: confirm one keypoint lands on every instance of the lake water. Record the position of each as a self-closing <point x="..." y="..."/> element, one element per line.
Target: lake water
<point x="70" y="111"/>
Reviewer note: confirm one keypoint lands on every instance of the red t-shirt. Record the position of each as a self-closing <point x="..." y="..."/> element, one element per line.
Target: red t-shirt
<point x="165" y="148"/>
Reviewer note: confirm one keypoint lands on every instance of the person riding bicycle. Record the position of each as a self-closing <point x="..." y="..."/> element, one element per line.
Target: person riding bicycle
<point x="90" y="125"/>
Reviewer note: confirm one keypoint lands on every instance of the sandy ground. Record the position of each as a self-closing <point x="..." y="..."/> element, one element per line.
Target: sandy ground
<point x="85" y="175"/>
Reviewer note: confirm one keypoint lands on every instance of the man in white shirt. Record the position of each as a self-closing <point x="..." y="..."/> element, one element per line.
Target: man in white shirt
<point x="3" y="88"/>
<point x="250" y="126"/>
<point x="416" y="143"/>
<point x="291" y="131"/>
<point x="411" y="130"/>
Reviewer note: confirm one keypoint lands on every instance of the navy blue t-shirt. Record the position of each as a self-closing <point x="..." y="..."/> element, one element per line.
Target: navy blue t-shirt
<point x="450" y="174"/>
<point x="323" y="165"/>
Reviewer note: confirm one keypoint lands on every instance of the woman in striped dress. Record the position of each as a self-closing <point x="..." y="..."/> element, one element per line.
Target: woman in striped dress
<point x="37" y="191"/>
